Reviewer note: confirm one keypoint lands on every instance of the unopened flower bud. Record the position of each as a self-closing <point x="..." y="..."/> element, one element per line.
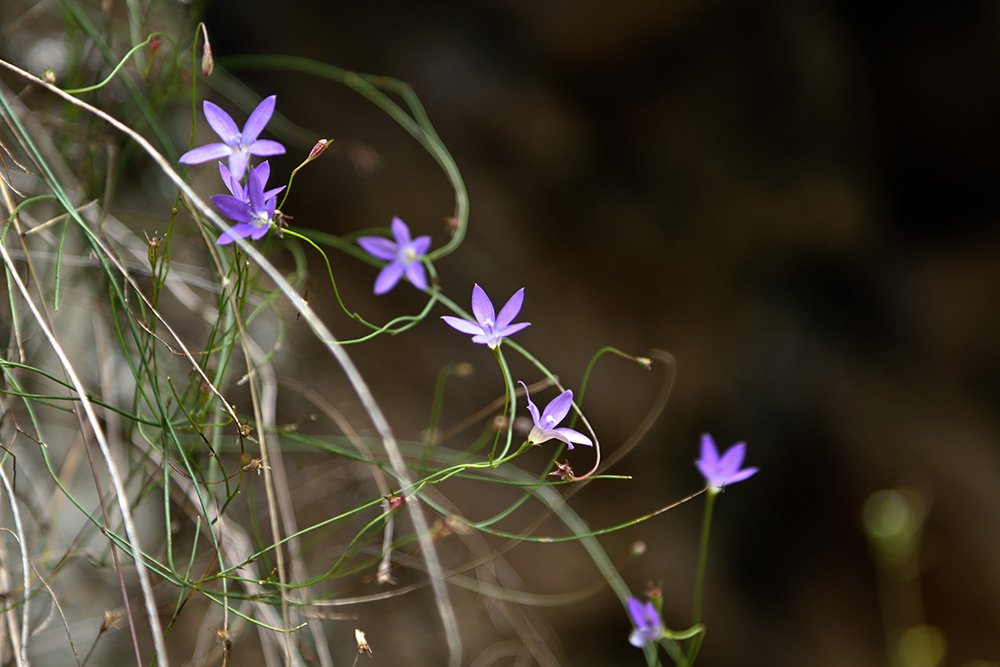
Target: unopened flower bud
<point x="318" y="149"/>
<point x="154" y="45"/>
<point x="207" y="61"/>
<point x="49" y="75"/>
<point x="153" y="249"/>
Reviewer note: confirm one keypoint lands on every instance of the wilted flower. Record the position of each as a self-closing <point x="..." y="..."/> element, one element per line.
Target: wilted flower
<point x="546" y="422"/>
<point x="489" y="328"/>
<point x="721" y="471"/>
<point x="647" y="622"/>
<point x="236" y="145"/>
<point x="251" y="206"/>
<point x="403" y="254"/>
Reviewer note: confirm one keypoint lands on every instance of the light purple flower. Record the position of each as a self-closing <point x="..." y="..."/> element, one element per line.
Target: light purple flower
<point x="647" y="622"/>
<point x="489" y="328"/>
<point x="236" y="145"/>
<point x="403" y="256"/>
<point x="251" y="207"/>
<point x="721" y="471"/>
<point x="545" y="424"/>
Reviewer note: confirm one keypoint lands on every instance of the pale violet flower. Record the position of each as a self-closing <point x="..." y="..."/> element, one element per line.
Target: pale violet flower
<point x="489" y="328"/>
<point x="251" y="207"/>
<point x="403" y="256"/>
<point x="720" y="471"/>
<point x="236" y="145"/>
<point x="546" y="423"/>
<point x="648" y="625"/>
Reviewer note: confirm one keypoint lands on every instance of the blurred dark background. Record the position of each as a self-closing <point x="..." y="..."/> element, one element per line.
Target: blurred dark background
<point x="796" y="198"/>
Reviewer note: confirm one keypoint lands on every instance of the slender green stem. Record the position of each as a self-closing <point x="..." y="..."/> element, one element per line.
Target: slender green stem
<point x="114" y="72"/>
<point x="699" y="581"/>
<point x="510" y="401"/>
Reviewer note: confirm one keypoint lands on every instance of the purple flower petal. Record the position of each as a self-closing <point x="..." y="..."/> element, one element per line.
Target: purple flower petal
<point x="378" y="247"/>
<point x="260" y="232"/>
<point x="732" y="459"/>
<point x="572" y="436"/>
<point x="233" y="208"/>
<point x="482" y="307"/>
<point x="421" y="245"/>
<point x="255" y="187"/>
<point x="263" y="171"/>
<point x="709" y="453"/>
<point x="231" y="183"/>
<point x="205" y="153"/>
<point x="238" y="164"/>
<point x="532" y="408"/>
<point x="241" y="230"/>
<point x="401" y="232"/>
<point x="416" y="275"/>
<point x="510" y="309"/>
<point x="388" y="277"/>
<point x="257" y="120"/>
<point x="637" y="611"/>
<point x="266" y="148"/>
<point x="514" y="328"/>
<point x="271" y="194"/>
<point x="557" y="409"/>
<point x="706" y="471"/>
<point x="465" y="326"/>
<point x="741" y="475"/>
<point x="221" y="122"/>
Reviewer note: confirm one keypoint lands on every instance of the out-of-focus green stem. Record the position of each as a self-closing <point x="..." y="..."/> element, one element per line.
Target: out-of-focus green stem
<point x="699" y="580"/>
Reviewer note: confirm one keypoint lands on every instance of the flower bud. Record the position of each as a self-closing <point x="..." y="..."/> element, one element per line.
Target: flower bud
<point x="318" y="149"/>
<point x="207" y="61"/>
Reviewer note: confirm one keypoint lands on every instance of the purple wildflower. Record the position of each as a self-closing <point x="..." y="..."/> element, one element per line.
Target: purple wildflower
<point x="647" y="622"/>
<point x="251" y="207"/>
<point x="545" y="423"/>
<point x="403" y="255"/>
<point x="237" y="146"/>
<point x="720" y="471"/>
<point x="489" y="328"/>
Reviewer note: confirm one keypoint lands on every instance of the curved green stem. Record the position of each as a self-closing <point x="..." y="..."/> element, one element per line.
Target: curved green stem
<point x="114" y="72"/>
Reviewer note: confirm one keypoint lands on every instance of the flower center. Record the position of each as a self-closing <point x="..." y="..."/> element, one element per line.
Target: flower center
<point x="260" y="219"/>
<point x="409" y="255"/>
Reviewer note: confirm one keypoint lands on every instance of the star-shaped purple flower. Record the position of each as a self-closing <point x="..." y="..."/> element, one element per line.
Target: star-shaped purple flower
<point x="236" y="145"/>
<point x="251" y="207"/>
<point x="647" y="622"/>
<point x="489" y="328"/>
<point x="403" y="256"/>
<point x="722" y="471"/>
<point x="545" y="423"/>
